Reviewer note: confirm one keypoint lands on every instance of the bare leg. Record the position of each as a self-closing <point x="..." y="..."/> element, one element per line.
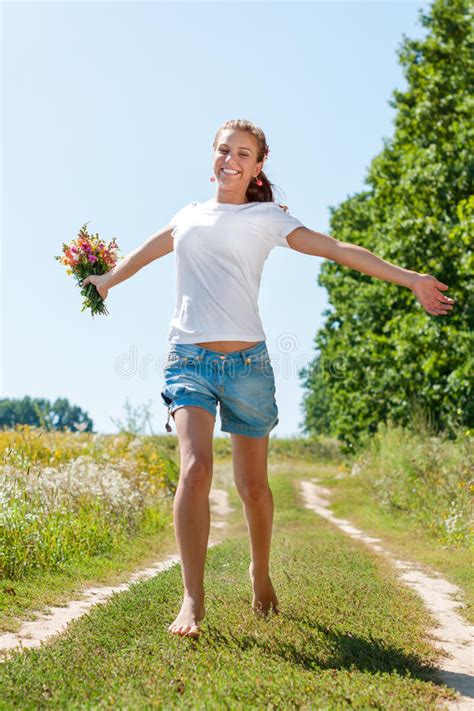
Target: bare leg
<point x="194" y="427"/>
<point x="250" y="472"/>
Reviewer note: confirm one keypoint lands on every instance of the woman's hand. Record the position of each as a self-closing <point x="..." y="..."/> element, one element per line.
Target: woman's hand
<point x="99" y="281"/>
<point x="425" y="287"/>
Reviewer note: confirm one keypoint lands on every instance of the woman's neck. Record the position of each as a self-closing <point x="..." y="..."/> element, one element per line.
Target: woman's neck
<point x="227" y="201"/>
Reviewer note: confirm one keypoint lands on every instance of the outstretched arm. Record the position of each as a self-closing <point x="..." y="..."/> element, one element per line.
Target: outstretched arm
<point x="424" y="286"/>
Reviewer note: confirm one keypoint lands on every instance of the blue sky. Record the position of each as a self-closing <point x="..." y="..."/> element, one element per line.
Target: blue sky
<point x="108" y="115"/>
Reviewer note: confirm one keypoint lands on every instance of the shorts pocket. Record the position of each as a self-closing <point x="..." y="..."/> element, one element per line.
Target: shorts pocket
<point x="177" y="361"/>
<point x="258" y="366"/>
<point x="261" y="363"/>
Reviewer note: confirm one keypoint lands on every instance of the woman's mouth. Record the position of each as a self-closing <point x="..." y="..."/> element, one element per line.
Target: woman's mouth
<point x="228" y="171"/>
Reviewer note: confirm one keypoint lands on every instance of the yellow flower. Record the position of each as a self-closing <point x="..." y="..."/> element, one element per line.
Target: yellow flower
<point x="68" y="271"/>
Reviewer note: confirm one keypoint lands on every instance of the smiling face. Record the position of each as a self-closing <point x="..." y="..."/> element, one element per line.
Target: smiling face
<point x="236" y="152"/>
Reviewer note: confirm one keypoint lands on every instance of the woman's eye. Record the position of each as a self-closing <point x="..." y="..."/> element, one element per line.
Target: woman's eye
<point x="242" y="155"/>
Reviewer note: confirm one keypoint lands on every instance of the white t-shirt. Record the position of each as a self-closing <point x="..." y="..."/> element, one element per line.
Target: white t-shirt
<point x="220" y="251"/>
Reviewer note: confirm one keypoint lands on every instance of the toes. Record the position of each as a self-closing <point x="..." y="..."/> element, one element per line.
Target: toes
<point x="260" y="609"/>
<point x="185" y="630"/>
<point x="194" y="631"/>
<point x="191" y="630"/>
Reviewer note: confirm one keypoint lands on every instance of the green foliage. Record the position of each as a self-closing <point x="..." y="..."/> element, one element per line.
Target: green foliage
<point x="39" y="412"/>
<point x="36" y="540"/>
<point x="427" y="479"/>
<point x="379" y="353"/>
<point x="290" y="448"/>
<point x="69" y="497"/>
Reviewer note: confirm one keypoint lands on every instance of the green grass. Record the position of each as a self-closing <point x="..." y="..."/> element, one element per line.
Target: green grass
<point x="76" y="510"/>
<point x="22" y="599"/>
<point x="422" y="476"/>
<point x="349" y="634"/>
<point x="290" y="448"/>
<point x="401" y="534"/>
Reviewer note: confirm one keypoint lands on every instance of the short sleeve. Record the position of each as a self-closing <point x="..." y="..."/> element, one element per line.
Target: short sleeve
<point x="281" y="223"/>
<point x="178" y="217"/>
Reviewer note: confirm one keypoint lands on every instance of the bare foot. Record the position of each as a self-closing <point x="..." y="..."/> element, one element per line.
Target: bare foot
<point x="264" y="596"/>
<point x="187" y="622"/>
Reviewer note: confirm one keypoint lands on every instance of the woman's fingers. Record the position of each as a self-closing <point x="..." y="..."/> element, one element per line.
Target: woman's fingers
<point x="446" y="299"/>
<point x="438" y="310"/>
<point x="444" y="303"/>
<point x="437" y="304"/>
<point x="431" y="299"/>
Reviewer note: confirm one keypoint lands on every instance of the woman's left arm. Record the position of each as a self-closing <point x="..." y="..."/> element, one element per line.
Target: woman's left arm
<point x="424" y="286"/>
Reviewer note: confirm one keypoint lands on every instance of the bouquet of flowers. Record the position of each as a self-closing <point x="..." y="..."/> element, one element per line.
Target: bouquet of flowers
<point x="87" y="255"/>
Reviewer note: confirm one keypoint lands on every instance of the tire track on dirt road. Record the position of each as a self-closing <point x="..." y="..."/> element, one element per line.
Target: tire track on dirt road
<point x="453" y="636"/>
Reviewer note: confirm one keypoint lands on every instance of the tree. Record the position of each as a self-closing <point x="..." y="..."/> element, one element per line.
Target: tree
<point x="417" y="213"/>
<point x="39" y="412"/>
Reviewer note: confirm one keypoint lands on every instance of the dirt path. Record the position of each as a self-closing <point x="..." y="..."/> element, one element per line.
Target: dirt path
<point x="56" y="619"/>
<point x="452" y="635"/>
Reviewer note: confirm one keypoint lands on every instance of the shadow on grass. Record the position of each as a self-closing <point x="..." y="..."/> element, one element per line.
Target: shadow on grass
<point x="340" y="651"/>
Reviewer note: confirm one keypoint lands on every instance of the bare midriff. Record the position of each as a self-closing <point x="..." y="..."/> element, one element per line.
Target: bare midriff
<point x="227" y="346"/>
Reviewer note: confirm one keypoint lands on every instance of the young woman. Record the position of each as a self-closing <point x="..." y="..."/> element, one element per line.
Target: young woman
<point x="218" y="350"/>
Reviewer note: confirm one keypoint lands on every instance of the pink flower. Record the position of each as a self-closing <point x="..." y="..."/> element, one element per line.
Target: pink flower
<point x="91" y="258"/>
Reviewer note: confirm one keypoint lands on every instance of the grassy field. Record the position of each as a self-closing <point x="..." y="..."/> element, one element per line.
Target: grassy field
<point x="77" y="509"/>
<point x="403" y="537"/>
<point x="415" y="491"/>
<point x="80" y="509"/>
<point x="348" y="635"/>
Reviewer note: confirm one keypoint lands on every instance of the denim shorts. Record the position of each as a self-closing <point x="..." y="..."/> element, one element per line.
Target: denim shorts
<point x="242" y="382"/>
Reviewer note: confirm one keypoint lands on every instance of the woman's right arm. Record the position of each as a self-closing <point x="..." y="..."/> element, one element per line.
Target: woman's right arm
<point x="156" y="246"/>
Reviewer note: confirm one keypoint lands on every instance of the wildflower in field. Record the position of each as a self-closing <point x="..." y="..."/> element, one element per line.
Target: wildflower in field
<point x="75" y="482"/>
<point x="86" y="255"/>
